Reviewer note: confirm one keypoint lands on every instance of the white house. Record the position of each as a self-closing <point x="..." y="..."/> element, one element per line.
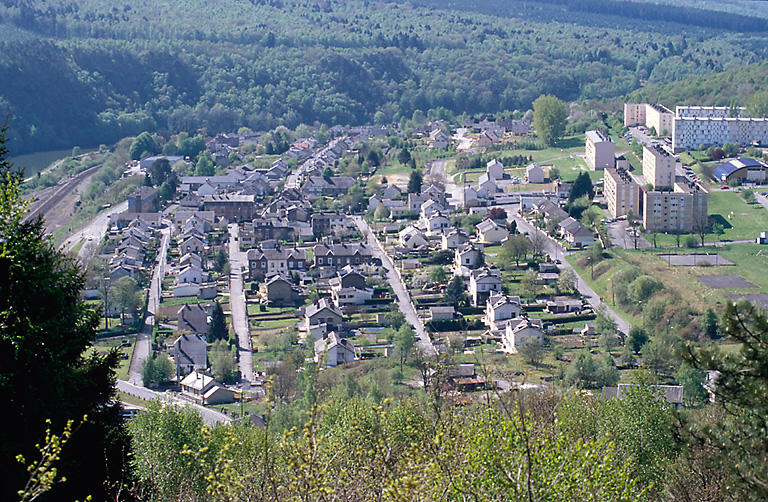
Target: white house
<point x="322" y="313"/>
<point x="412" y="238"/>
<point x="575" y="233"/>
<point x="495" y="170"/>
<point x="435" y="223"/>
<point x="190" y="275"/>
<point x="483" y="283"/>
<point x="500" y="308"/>
<point x="518" y="330"/>
<point x="191" y="244"/>
<point x="430" y="207"/>
<point x="490" y="232"/>
<point x="486" y="186"/>
<point x="332" y="350"/>
<point x="344" y="297"/>
<point x="204" y="389"/>
<point x="534" y="173"/>
<point x="454" y="238"/>
<point x="465" y="257"/>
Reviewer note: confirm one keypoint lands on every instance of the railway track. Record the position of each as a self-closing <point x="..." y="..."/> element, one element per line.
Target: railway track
<point x="59" y="193"/>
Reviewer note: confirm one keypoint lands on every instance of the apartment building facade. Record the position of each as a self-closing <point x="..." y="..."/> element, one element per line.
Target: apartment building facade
<point x="658" y="167"/>
<point x="655" y="116"/>
<point x="599" y="151"/>
<point x="621" y="193"/>
<point x="682" y="210"/>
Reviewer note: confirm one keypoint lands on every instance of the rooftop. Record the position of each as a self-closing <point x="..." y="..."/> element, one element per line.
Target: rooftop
<point x="598" y="136"/>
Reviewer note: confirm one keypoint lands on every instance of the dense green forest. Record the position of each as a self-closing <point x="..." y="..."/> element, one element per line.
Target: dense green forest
<point x="92" y="72"/>
<point x="718" y="89"/>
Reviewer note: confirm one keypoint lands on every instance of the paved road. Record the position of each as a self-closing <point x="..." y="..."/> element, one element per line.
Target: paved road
<point x="763" y="201"/>
<point x="404" y="301"/>
<point x="436" y="168"/>
<point x="556" y="252"/>
<point x="239" y="263"/>
<point x="143" y="340"/>
<point x="210" y="416"/>
<point x="92" y="233"/>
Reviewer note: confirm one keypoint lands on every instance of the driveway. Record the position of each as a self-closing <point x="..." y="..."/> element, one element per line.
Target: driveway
<point x="143" y="339"/>
<point x="618" y="231"/>
<point x="404" y="302"/>
<point x="210" y="416"/>
<point x="239" y="265"/>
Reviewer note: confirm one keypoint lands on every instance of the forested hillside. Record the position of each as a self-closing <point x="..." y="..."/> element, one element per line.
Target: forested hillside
<point x="94" y="71"/>
<point x="718" y="89"/>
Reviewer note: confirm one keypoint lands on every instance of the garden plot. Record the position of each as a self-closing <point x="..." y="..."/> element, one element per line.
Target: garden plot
<point x="726" y="281"/>
<point x="694" y="260"/>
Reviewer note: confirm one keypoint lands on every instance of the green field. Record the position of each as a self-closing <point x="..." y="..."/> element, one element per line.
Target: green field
<point x="750" y="262"/>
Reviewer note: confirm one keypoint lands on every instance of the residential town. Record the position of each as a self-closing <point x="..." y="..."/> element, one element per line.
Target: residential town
<point x="243" y="268"/>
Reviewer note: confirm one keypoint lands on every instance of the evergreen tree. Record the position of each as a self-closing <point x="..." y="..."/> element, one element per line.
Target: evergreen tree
<point x="46" y="329"/>
<point x="455" y="292"/>
<point x="217" y="329"/>
<point x="415" y="181"/>
<point x="581" y="186"/>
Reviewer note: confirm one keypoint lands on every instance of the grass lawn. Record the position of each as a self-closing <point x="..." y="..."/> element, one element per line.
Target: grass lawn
<point x="741" y="220"/>
<point x="124" y="397"/>
<point x="274" y="323"/>
<point x="255" y="309"/>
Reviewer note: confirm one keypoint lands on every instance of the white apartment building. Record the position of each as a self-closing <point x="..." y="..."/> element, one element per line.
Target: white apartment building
<point x="658" y="167"/>
<point x="655" y="116"/>
<point x="599" y="151"/>
<point x="621" y="193"/>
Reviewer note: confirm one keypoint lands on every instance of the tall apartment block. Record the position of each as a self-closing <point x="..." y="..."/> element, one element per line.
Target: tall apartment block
<point x="621" y="192"/>
<point x="697" y="126"/>
<point x="682" y="210"/>
<point x="657" y="116"/>
<point x="599" y="151"/>
<point x="658" y="167"/>
<point x="674" y="203"/>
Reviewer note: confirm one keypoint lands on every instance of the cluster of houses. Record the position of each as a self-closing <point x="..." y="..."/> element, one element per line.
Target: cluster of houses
<point x="131" y="245"/>
<point x="571" y="230"/>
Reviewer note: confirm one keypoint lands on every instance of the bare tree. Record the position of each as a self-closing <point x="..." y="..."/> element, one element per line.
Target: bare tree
<point x="538" y="243"/>
<point x="701" y="225"/>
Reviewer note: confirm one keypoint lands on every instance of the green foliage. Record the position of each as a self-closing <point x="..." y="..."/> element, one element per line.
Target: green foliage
<point x="217" y="328"/>
<point x="415" y="181"/>
<point x="641" y="424"/>
<point x="46" y="329"/>
<point x="157" y="370"/>
<point x="549" y="118"/>
<point x="144" y="143"/>
<point x="381" y="212"/>
<point x="757" y="104"/>
<point x="740" y="389"/>
<point x="455" y="292"/>
<point x="636" y="339"/>
<point x="692" y="380"/>
<point x="582" y="186"/>
<point x="516" y="248"/>
<point x="125" y="293"/>
<point x="532" y="350"/>
<point x="223" y="364"/>
<point x="711" y="329"/>
<point x="748" y="196"/>
<point x="204" y="165"/>
<point x="438" y="274"/>
<point x="585" y="372"/>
